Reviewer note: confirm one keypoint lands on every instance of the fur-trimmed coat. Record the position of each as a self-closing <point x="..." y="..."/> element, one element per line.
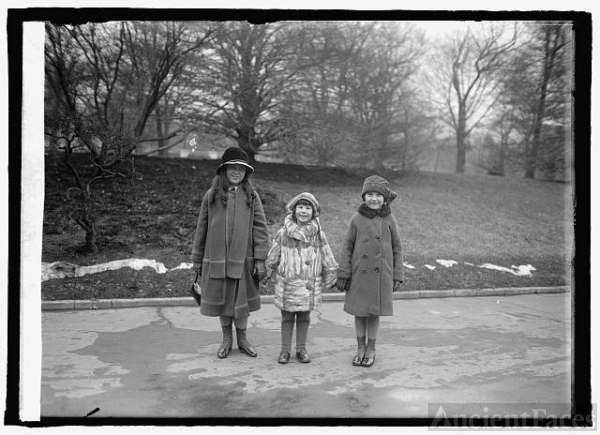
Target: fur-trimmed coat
<point x="300" y="265"/>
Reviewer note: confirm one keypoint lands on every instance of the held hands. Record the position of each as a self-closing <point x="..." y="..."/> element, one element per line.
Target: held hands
<point x="343" y="284"/>
<point x="260" y="271"/>
<point x="397" y="284"/>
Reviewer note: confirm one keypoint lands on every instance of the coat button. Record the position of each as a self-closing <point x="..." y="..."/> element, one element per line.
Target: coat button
<point x="365" y="256"/>
<point x="365" y="240"/>
<point x="377" y="238"/>
<point x="377" y="270"/>
<point x="378" y="256"/>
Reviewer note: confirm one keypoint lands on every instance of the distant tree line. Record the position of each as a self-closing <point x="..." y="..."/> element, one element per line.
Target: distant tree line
<point x="371" y="94"/>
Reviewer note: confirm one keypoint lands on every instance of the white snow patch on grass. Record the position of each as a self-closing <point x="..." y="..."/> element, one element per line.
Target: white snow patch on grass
<point x="60" y="269"/>
<point x="446" y="263"/>
<point x="523" y="270"/>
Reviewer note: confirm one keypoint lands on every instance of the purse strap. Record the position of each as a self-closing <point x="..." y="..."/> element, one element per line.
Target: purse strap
<point x="196" y="280"/>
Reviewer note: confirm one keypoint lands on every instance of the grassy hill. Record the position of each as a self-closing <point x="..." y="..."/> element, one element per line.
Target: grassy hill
<point x="466" y="218"/>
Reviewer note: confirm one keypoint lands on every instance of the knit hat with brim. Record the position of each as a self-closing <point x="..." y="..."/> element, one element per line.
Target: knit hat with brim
<point x="234" y="156"/>
<point x="291" y="205"/>
<point x="375" y="183"/>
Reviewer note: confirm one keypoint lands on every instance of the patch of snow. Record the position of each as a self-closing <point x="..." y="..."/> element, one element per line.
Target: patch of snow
<point x="183" y="266"/>
<point x="520" y="270"/>
<point x="58" y="269"/>
<point x="446" y="263"/>
<point x="134" y="263"/>
<point x="524" y="269"/>
<point x="61" y="269"/>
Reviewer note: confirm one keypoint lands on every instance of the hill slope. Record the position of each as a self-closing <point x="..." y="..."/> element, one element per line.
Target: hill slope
<point x="469" y="219"/>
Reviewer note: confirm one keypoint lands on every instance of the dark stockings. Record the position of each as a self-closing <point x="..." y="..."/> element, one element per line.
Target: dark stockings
<point x="302" y="320"/>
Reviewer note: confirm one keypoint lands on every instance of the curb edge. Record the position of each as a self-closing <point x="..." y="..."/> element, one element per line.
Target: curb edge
<point x="268" y="299"/>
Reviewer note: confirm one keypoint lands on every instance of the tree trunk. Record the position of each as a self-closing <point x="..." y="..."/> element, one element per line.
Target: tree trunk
<point x="84" y="221"/>
<point x="160" y="131"/>
<point x="91" y="245"/>
<point x="404" y="152"/>
<point x="461" y="151"/>
<point x="502" y="157"/>
<point x="531" y="157"/>
<point x="461" y="156"/>
<point x="461" y="148"/>
<point x="244" y="142"/>
<point x="247" y="141"/>
<point x="548" y="65"/>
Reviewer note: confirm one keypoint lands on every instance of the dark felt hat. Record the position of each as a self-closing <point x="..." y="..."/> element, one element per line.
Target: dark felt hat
<point x="234" y="156"/>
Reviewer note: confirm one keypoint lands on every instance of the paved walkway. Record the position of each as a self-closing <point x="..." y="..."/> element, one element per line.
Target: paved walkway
<point x="161" y="361"/>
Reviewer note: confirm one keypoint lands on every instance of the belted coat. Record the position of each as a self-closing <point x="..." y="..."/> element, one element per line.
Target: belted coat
<point x="371" y="256"/>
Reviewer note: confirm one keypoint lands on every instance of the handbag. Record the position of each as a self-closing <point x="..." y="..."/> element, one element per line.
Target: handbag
<point x="195" y="291"/>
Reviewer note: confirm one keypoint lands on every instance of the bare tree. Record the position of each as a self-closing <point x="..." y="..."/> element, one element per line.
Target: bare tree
<point x="535" y="99"/>
<point x="354" y="98"/>
<point x="551" y="70"/>
<point x="378" y="86"/>
<point x="325" y="130"/>
<point x="249" y="79"/>
<point x="103" y="82"/>
<point x="417" y="129"/>
<point x="502" y="130"/>
<point x="464" y="77"/>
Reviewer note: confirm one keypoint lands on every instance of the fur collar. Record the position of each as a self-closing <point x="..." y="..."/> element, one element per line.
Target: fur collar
<point x="384" y="211"/>
<point x="300" y="232"/>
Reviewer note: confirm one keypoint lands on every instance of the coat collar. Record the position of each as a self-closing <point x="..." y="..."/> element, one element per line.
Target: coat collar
<point x="300" y="232"/>
<point x="384" y="211"/>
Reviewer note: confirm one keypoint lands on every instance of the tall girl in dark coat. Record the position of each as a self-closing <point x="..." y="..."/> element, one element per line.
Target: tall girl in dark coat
<point x="370" y="266"/>
<point x="230" y="249"/>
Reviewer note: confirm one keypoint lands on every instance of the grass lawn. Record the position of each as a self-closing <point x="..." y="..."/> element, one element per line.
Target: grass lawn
<point x="469" y="219"/>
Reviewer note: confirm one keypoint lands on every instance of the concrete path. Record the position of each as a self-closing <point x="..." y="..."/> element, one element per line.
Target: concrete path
<point x="161" y="361"/>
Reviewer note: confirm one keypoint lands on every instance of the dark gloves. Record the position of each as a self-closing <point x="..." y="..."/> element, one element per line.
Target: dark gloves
<point x="397" y="284"/>
<point x="260" y="271"/>
<point x="343" y="284"/>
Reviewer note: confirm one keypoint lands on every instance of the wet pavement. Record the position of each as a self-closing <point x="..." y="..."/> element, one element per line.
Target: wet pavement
<point x="161" y="361"/>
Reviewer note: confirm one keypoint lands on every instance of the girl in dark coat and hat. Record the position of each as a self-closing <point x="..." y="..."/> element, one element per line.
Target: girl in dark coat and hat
<point x="370" y="266"/>
<point x="230" y="249"/>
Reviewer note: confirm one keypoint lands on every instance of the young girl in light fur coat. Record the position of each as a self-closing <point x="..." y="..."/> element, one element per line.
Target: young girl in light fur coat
<point x="300" y="265"/>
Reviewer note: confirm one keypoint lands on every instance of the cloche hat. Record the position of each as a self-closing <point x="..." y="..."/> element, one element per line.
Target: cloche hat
<point x="375" y="183"/>
<point x="306" y="197"/>
<point x="234" y="156"/>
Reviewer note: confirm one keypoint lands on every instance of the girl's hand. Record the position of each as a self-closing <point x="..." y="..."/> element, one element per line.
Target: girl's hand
<point x="197" y="268"/>
<point x="260" y="271"/>
<point x="343" y="284"/>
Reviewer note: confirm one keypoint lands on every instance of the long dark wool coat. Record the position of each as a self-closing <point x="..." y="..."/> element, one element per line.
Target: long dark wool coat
<point x="228" y="287"/>
<point x="371" y="256"/>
